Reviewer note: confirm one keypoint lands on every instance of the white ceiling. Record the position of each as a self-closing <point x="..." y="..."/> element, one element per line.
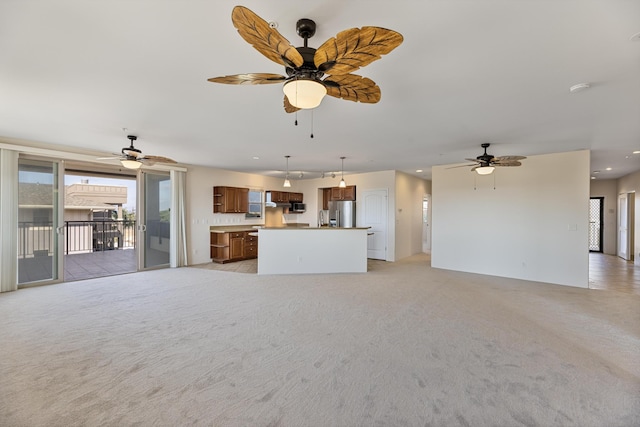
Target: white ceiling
<point x="76" y="72"/>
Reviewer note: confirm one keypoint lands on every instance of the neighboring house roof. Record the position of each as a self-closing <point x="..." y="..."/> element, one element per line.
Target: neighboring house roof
<point x="34" y="195"/>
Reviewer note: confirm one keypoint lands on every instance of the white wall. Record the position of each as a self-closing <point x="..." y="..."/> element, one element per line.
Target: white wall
<point x="532" y="226"/>
<point x="631" y="184"/>
<point x="410" y="192"/>
<point x="608" y="188"/>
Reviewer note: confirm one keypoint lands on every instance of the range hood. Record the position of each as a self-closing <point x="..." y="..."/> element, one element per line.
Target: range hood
<point x="277" y="205"/>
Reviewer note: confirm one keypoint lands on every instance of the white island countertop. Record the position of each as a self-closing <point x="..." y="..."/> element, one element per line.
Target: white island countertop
<point x="312" y="250"/>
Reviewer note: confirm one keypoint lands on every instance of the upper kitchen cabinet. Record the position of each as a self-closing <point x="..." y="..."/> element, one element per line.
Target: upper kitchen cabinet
<point x="296" y="197"/>
<point x="230" y="200"/>
<point x="347" y="193"/>
<point x="284" y="197"/>
<point x="279" y="196"/>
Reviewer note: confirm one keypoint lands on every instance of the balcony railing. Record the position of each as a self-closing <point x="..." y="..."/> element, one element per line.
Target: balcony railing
<point x="36" y="238"/>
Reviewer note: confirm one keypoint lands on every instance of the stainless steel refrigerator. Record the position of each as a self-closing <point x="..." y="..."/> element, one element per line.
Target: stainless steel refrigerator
<point x="342" y="214"/>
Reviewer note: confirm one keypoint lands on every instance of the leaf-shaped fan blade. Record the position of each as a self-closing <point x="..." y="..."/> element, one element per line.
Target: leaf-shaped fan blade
<point x="462" y="166"/>
<point x="473" y="160"/>
<point x="249" y="79"/>
<point x="355" y="48"/>
<point x="353" y="88"/>
<point x="268" y="41"/>
<point x="156" y="159"/>
<point x="513" y="163"/>
<point x="288" y="107"/>
<point x="502" y="159"/>
<point x="114" y="157"/>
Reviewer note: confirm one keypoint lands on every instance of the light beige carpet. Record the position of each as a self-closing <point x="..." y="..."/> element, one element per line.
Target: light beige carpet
<point x="402" y="345"/>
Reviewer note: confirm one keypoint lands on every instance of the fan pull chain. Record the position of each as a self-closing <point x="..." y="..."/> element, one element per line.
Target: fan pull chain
<point x="296" y="122"/>
<point x="494" y="180"/>
<point x="311" y="124"/>
<point x="475" y="182"/>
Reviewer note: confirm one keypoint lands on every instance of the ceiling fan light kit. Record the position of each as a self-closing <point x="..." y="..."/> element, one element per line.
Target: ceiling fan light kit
<point x="130" y="164"/>
<point x="485" y="170"/>
<point x="304" y="93"/>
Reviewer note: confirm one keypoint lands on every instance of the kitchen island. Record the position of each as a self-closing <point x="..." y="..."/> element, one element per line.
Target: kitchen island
<point x="312" y="250"/>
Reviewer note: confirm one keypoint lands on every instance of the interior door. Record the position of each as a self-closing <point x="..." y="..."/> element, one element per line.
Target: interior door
<point x="154" y="230"/>
<point x="39" y="221"/>
<point x="373" y="213"/>
<point x="623" y="227"/>
<point x="426" y="223"/>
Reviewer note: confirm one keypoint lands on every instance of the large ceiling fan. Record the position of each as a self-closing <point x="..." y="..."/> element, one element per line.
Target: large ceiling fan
<point x="314" y="73"/>
<point x="132" y="158"/>
<point x="486" y="163"/>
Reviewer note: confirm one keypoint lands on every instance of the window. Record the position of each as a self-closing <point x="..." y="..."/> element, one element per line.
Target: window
<point x="255" y="204"/>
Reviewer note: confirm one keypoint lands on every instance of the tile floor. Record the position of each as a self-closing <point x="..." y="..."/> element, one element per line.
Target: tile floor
<point x="613" y="273"/>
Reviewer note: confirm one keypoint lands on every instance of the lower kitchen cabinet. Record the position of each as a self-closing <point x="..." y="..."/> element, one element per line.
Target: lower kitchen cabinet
<point x="250" y="245"/>
<point x="233" y="246"/>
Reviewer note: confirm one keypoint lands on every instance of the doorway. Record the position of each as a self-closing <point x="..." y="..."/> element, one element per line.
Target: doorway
<point x="99" y="224"/>
<point x="596" y="224"/>
<point x="625" y="226"/>
<point x="374" y="213"/>
<point x="426" y="223"/>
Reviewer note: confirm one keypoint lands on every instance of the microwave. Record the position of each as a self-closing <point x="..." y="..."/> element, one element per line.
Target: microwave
<point x="298" y="207"/>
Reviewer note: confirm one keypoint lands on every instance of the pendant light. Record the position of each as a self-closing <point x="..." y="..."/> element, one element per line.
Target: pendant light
<point x="342" y="183"/>
<point x="287" y="183"/>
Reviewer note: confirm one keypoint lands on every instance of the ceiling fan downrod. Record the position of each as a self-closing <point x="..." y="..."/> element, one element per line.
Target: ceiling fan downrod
<point x="305" y="28"/>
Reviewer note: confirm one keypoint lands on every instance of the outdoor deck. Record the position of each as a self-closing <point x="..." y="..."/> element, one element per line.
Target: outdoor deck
<point x="79" y="266"/>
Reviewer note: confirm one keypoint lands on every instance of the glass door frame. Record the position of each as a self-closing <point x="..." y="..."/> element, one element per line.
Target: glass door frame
<point x="57" y="220"/>
<point x="141" y="218"/>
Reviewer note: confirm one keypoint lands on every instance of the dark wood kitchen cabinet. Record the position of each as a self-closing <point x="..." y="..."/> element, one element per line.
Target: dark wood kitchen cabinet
<point x="296" y="197"/>
<point x="326" y="197"/>
<point x="279" y="196"/>
<point x="347" y="193"/>
<point x="233" y="246"/>
<point x="230" y="200"/>
<point x="284" y="196"/>
<point x="250" y="245"/>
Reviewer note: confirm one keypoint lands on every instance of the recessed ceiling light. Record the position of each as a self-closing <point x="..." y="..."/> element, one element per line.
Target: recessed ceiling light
<point x="608" y="169"/>
<point x="579" y="87"/>
<point x="256" y="158"/>
<point x="418" y="170"/>
<point x="593" y="177"/>
<point x="636" y="152"/>
<point x="635" y="37"/>
<point x="596" y="171"/>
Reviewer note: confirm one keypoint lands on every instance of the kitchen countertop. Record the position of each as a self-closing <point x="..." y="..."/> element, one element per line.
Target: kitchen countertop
<point x="316" y="228"/>
<point x="248" y="227"/>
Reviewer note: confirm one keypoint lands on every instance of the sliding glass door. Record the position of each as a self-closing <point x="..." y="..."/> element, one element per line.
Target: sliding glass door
<point x="155" y="226"/>
<point x="39" y="221"/>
